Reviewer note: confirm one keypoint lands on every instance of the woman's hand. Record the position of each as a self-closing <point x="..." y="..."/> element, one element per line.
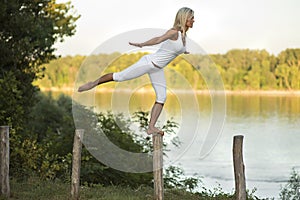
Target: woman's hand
<point x="136" y="44"/>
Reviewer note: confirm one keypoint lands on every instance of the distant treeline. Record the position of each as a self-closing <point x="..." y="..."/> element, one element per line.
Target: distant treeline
<point x="240" y="69"/>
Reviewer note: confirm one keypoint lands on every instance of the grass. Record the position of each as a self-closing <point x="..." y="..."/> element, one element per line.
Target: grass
<point x="36" y="189"/>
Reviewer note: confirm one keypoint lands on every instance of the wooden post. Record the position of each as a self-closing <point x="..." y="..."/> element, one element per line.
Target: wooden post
<point x="239" y="168"/>
<point x="76" y="163"/>
<point x="158" y="166"/>
<point x="4" y="162"/>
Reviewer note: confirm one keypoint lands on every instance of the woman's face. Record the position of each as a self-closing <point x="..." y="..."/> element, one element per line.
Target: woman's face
<point x="189" y="22"/>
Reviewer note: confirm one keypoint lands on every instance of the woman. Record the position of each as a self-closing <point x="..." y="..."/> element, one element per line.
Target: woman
<point x="173" y="44"/>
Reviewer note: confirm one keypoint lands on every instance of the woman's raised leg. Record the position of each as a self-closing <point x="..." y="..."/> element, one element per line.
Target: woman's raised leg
<point x="136" y="70"/>
<point x="103" y="79"/>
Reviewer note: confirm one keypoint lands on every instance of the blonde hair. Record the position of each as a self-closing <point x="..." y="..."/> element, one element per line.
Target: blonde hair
<point x="182" y="16"/>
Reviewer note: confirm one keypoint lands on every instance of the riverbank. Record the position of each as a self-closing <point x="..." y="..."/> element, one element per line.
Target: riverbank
<point x="227" y="92"/>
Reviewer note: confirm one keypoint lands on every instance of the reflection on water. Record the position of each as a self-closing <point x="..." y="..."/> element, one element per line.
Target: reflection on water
<point x="263" y="106"/>
<point x="270" y="124"/>
<point x="238" y="105"/>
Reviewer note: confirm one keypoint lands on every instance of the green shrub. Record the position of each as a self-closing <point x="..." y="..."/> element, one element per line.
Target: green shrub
<point x="291" y="191"/>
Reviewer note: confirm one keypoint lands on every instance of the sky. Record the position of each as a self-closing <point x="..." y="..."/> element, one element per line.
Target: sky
<point x="220" y="25"/>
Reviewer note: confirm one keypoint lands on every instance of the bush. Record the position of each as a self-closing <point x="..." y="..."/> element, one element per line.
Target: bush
<point x="291" y="191"/>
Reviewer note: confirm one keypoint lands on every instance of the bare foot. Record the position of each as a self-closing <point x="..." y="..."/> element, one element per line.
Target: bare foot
<point x="87" y="86"/>
<point x="155" y="130"/>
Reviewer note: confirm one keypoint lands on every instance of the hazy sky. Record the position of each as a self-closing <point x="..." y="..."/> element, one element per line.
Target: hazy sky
<point x="220" y="25"/>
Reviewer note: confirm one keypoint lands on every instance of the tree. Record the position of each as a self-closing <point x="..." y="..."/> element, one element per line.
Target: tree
<point x="268" y="80"/>
<point x="288" y="68"/>
<point x="283" y="72"/>
<point x="28" y="30"/>
<point x="253" y="78"/>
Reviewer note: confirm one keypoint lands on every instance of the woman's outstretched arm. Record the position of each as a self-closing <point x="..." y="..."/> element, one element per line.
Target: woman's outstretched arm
<point x="170" y="34"/>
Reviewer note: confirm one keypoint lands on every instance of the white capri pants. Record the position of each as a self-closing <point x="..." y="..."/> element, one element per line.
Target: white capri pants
<point x="141" y="67"/>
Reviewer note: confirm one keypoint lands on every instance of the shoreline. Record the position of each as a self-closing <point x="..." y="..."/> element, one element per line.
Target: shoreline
<point x="207" y="92"/>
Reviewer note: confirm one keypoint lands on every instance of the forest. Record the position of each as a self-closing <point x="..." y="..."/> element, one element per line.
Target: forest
<point x="239" y="69"/>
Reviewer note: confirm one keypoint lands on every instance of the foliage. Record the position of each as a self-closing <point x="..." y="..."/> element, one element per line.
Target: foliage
<point x="239" y="69"/>
<point x="27" y="33"/>
<point x="291" y="191"/>
<point x="10" y="96"/>
<point x="46" y="150"/>
<point x="174" y="178"/>
<point x="142" y="118"/>
<point x="95" y="172"/>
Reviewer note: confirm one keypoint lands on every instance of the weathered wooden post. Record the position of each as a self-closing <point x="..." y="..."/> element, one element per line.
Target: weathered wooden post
<point x="76" y="163"/>
<point x="4" y="162"/>
<point x="158" y="166"/>
<point x="239" y="168"/>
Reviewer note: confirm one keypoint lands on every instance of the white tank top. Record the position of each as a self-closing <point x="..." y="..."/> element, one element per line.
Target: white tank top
<point x="169" y="50"/>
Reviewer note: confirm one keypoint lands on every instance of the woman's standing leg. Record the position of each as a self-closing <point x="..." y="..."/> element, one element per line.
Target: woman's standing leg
<point x="155" y="113"/>
<point x="159" y="84"/>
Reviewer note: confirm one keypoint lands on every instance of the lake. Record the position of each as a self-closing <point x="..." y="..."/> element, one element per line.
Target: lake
<point x="270" y="124"/>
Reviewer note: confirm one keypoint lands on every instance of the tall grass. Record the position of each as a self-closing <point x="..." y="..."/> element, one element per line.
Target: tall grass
<point x="40" y="189"/>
